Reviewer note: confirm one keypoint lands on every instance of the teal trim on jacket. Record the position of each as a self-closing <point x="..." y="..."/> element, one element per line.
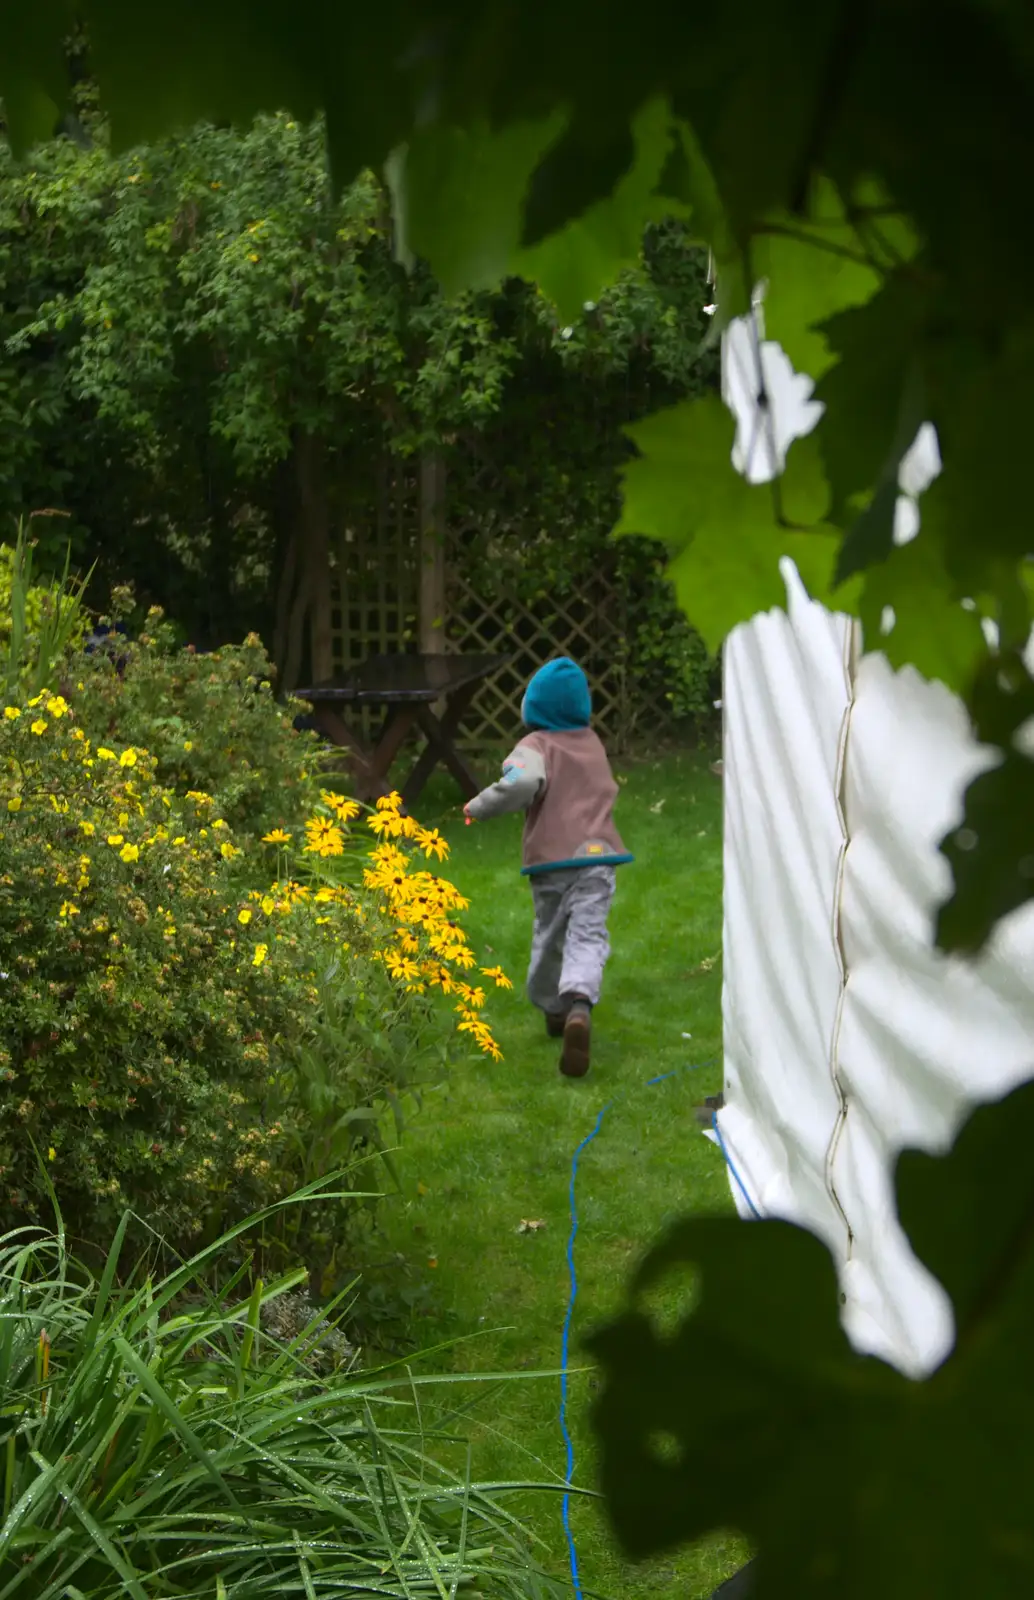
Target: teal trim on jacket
<point x="577" y="861"/>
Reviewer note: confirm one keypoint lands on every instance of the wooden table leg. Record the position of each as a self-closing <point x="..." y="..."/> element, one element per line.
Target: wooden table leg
<point x="440" y="736"/>
<point x="399" y="721"/>
<point x="333" y="727"/>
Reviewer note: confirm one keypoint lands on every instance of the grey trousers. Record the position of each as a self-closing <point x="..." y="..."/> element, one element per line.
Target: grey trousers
<point x="569" y="940"/>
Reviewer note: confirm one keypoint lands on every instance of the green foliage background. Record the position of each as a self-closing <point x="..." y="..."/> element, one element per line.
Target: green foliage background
<point x="183" y="323"/>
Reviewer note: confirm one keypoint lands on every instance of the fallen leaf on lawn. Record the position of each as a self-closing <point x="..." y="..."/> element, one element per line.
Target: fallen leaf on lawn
<point x="531" y="1225"/>
<point x="658" y="805"/>
<point x="432" y="1261"/>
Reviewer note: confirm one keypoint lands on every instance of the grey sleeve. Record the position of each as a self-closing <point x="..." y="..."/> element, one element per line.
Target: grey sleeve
<point x="523" y="780"/>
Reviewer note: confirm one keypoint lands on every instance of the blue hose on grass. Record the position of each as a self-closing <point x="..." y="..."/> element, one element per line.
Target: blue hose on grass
<point x="565" y="1338"/>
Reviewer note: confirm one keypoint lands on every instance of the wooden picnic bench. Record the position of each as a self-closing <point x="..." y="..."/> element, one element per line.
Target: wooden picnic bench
<point x="408" y="687"/>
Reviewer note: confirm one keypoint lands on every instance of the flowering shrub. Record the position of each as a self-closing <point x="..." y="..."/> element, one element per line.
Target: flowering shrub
<point x="158" y="1024"/>
<point x="211" y="722"/>
<point x="427" y="951"/>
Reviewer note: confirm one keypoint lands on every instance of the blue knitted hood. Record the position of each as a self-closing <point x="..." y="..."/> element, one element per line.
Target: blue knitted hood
<point x="557" y="698"/>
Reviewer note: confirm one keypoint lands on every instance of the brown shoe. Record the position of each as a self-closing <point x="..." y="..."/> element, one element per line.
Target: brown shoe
<point x="555" y="1023"/>
<point x="574" y="1058"/>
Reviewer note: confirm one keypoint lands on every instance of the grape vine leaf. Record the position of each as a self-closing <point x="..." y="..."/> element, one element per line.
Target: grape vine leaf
<point x="932" y="630"/>
<point x="872" y="395"/>
<point x="990" y="853"/>
<point x="587" y="254"/>
<point x="849" y="1479"/>
<point x="479" y="179"/>
<point x="688" y="176"/>
<point x="581" y="169"/>
<point x="813" y="267"/>
<point x="725" y="537"/>
<point x="33" y="78"/>
<point x="983" y="422"/>
<point x="476" y="177"/>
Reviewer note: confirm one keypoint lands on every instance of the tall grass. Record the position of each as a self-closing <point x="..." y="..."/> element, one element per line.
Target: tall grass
<point x="157" y="1440"/>
<point x="37" y="645"/>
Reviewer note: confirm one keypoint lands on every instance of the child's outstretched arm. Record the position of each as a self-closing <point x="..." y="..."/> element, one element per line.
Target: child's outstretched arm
<point x="522" y="782"/>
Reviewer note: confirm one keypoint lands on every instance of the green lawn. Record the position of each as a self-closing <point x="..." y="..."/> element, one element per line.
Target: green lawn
<point x="493" y="1146"/>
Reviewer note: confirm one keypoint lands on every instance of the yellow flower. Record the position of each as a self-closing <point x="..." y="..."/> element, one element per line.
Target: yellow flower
<point x="181" y="840"/>
<point x="104" y="754"/>
<point x="219" y="823"/>
<point x="115" y="839"/>
<point x="199" y="797"/>
<point x="12" y="713"/>
<point x="57" y="705"/>
<point x="323" y="838"/>
<point x="498" y="976"/>
<point x="268" y="904"/>
<point x="244" y="916"/>
<point x="430" y="841"/>
<point x="261" y="952"/>
<point x="88" y="829"/>
<point x="130" y="852"/>
<point x="39" y="726"/>
<point x="51" y="1154"/>
<point x="127" y="758"/>
<point x="385" y="822"/>
<point x="278" y="836"/>
<point x="123" y="819"/>
<point x="188" y="745"/>
<point x="15" y="803"/>
<point x="401" y="966"/>
<point x="228" y="850"/>
<point x="390" y="802"/>
<point x="344" y="810"/>
<point x="68" y="909"/>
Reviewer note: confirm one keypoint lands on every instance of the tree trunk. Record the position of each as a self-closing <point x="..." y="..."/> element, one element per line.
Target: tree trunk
<point x="303" y="598"/>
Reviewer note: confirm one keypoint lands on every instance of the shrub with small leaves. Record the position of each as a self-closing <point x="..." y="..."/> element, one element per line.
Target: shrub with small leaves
<point x="211" y="722"/>
<point x="159" y="1024"/>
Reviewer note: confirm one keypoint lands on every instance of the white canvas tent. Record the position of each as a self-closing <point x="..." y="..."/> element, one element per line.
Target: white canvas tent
<point x="847" y="1035"/>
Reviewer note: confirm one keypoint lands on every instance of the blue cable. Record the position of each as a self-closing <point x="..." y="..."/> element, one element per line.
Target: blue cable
<point x="565" y="1340"/>
<point x="564" y="1345"/>
<point x="732" y="1168"/>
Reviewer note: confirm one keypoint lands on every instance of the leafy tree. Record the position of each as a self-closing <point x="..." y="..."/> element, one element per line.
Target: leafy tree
<point x="241" y="344"/>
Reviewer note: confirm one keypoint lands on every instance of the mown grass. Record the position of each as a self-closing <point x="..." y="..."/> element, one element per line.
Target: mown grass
<point x="493" y="1146"/>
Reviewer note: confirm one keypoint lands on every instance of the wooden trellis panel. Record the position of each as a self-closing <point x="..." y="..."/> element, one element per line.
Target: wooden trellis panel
<point x="588" y="626"/>
<point x="374" y="577"/>
<point x="400" y="582"/>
